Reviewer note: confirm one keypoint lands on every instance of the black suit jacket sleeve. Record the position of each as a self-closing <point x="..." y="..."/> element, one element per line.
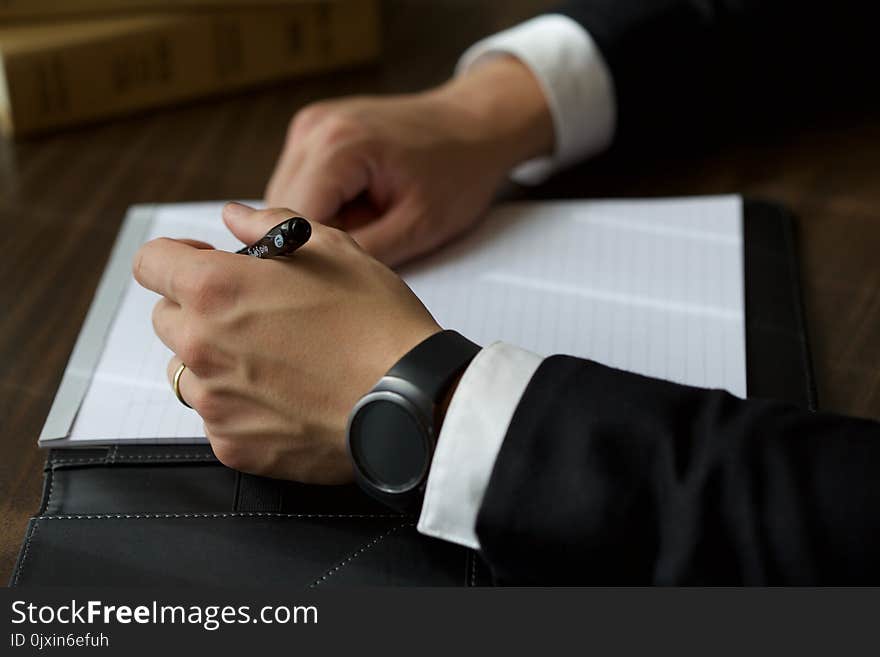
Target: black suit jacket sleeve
<point x="697" y="68"/>
<point x="611" y="477"/>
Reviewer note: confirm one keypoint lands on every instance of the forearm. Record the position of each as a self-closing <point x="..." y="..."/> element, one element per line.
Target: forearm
<point x="607" y="476"/>
<point x="502" y="104"/>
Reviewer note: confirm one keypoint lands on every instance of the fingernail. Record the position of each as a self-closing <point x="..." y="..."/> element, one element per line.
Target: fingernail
<point x="235" y="210"/>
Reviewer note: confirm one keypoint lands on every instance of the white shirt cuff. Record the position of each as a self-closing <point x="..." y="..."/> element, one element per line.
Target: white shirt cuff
<point x="576" y="82"/>
<point x="473" y="432"/>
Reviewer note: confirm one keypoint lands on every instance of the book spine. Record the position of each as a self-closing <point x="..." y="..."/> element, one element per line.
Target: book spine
<point x="31" y="10"/>
<point x="180" y="58"/>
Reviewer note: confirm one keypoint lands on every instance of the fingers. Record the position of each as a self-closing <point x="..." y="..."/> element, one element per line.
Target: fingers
<point x="198" y="244"/>
<point x="161" y="263"/>
<point x="393" y="238"/>
<point x="188" y="339"/>
<point x="198" y="280"/>
<point x="285" y="170"/>
<point x="294" y="150"/>
<point x="320" y="172"/>
<point x="168" y="323"/>
<point x="201" y="394"/>
<point x="249" y="225"/>
<point x="188" y="384"/>
<point x="326" y="181"/>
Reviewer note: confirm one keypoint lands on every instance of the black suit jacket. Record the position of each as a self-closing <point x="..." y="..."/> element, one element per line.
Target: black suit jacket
<point x="610" y="477"/>
<point x="690" y="70"/>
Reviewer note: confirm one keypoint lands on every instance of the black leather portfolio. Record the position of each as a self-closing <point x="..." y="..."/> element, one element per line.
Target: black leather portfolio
<point x="142" y="515"/>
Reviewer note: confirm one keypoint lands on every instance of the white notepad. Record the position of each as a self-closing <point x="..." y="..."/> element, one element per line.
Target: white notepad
<point x="650" y="286"/>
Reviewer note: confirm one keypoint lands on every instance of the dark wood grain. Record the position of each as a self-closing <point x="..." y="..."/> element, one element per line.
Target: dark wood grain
<point x="62" y="199"/>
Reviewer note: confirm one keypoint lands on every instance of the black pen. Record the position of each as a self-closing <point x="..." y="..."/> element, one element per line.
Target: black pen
<point x="282" y="240"/>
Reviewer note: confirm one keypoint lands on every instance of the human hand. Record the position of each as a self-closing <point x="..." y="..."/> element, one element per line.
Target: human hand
<point x="405" y="174"/>
<point x="279" y="351"/>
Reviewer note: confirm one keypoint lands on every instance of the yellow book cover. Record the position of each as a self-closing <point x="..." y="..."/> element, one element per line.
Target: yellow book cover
<point x="59" y="74"/>
<point x="42" y="10"/>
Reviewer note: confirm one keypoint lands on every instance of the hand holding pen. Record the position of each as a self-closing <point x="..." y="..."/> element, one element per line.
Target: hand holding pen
<point x="276" y="356"/>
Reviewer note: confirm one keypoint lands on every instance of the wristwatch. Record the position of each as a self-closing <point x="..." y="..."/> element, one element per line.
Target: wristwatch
<point x="391" y="430"/>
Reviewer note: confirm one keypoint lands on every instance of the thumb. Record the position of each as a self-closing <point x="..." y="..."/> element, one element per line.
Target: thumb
<point x="393" y="238"/>
<point x="249" y="224"/>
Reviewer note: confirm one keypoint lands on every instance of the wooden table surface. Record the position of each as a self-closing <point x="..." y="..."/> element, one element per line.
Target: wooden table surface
<point x="62" y="198"/>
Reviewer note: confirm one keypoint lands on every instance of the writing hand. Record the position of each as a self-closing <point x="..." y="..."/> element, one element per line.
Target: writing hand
<point x="278" y="351"/>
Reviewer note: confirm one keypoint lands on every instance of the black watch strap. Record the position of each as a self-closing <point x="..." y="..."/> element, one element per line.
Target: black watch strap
<point x="433" y="363"/>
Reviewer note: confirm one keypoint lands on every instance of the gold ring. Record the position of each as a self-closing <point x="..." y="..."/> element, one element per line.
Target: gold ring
<point x="176" y="384"/>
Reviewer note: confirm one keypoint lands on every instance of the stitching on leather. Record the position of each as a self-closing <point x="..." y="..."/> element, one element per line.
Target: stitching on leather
<point x="473" y="568"/>
<point x="51" y="490"/>
<point x="24" y="556"/>
<point x="357" y="553"/>
<point x="172" y="456"/>
<point x="240" y="514"/>
<point x="147" y="516"/>
<point x="78" y="460"/>
<point x="132" y="457"/>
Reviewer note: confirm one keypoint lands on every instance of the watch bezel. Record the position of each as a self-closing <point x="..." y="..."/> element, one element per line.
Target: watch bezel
<point x="418" y="406"/>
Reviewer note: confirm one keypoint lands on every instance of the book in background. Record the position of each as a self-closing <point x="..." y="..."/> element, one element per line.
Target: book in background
<point x="41" y="10"/>
<point x="56" y="73"/>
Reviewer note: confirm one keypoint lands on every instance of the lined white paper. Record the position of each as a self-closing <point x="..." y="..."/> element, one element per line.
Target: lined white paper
<point x="650" y="286"/>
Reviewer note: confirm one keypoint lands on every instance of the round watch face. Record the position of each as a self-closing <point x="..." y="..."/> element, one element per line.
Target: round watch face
<point x="389" y="444"/>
